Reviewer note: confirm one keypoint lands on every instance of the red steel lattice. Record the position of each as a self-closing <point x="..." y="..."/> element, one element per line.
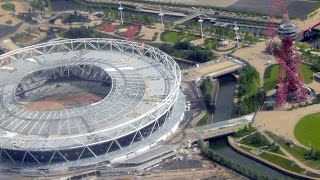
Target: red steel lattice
<point x="290" y="82"/>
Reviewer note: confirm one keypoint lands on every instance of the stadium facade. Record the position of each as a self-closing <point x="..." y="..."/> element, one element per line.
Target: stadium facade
<point x="139" y="102"/>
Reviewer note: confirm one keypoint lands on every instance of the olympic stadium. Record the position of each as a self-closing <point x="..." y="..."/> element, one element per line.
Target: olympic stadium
<point x="85" y="101"/>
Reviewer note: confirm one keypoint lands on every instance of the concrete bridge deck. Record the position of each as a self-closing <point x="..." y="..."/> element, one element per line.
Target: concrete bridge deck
<point x="224" y="127"/>
<point x="213" y="69"/>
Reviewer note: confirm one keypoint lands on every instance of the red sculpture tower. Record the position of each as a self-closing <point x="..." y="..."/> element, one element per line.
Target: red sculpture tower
<point x="290" y="84"/>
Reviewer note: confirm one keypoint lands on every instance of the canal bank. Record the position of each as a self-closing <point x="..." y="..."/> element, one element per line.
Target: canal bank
<point x="224" y="98"/>
<point x="233" y="145"/>
<point x="221" y="146"/>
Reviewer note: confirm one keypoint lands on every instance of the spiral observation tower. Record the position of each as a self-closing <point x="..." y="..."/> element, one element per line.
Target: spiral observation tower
<point x="86" y="101"/>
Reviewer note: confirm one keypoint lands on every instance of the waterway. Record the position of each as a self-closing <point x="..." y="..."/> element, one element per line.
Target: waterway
<point x="221" y="146"/>
<point x="224" y="102"/>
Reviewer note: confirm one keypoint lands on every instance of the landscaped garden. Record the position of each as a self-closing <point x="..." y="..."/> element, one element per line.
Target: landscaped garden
<point x="271" y="75"/>
<point x="304" y="155"/>
<point x="250" y="97"/>
<point x="174" y="37"/>
<point x="186" y="50"/>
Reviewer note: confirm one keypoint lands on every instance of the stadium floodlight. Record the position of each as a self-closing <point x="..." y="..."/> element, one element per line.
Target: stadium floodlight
<point x="161" y="14"/>
<point x="201" y="29"/>
<point x="236" y="29"/>
<point x="120" y="8"/>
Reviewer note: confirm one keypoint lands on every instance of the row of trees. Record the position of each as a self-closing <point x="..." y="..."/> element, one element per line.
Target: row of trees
<point x="219" y="32"/>
<point x="76" y="17"/>
<point x="82" y="32"/>
<point x="259" y="140"/>
<point x="188" y="51"/>
<point x="212" y="155"/>
<point x="250" y="97"/>
<point x="41" y="4"/>
<point x="247" y="129"/>
<point x="206" y="89"/>
<point x="313" y="154"/>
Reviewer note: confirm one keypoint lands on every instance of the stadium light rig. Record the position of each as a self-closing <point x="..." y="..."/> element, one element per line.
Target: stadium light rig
<point x="120" y="8"/>
<point x="161" y="14"/>
<point x="201" y="29"/>
<point x="236" y="29"/>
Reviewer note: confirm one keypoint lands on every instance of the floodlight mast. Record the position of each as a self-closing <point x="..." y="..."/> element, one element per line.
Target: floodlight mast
<point x="201" y="29"/>
<point x="236" y="28"/>
<point x="120" y="8"/>
<point x="161" y="14"/>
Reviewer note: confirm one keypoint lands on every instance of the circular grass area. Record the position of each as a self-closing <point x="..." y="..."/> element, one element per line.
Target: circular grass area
<point x="307" y="131"/>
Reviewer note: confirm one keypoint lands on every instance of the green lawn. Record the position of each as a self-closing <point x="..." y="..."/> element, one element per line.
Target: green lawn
<point x="297" y="151"/>
<point x="204" y="120"/>
<point x="307" y="131"/>
<point x="190" y="38"/>
<point x="282" y="162"/>
<point x="271" y="75"/>
<point x="9" y="7"/>
<point x="174" y="37"/>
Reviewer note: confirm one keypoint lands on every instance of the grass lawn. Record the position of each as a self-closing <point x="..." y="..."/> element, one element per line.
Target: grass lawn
<point x="307" y="130"/>
<point x="246" y="148"/>
<point x="271" y="75"/>
<point x="9" y="7"/>
<point x="190" y="38"/>
<point x="247" y="141"/>
<point x="174" y="37"/>
<point x="296" y="151"/>
<point x="282" y="162"/>
<point x="204" y="120"/>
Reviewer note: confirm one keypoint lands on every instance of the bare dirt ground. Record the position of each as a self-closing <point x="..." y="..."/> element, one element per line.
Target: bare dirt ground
<point x="8" y="15"/>
<point x="62" y="101"/>
<point x="148" y="33"/>
<point x="256" y="57"/>
<point x="7" y="43"/>
<point x="187" y="174"/>
<point x="283" y="122"/>
<point x="198" y="42"/>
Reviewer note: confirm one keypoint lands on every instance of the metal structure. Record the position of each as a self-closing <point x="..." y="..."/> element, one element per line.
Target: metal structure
<point x="201" y="29"/>
<point x="290" y="84"/>
<point x="161" y="14"/>
<point x="120" y="8"/>
<point x="143" y="86"/>
<point x="236" y="29"/>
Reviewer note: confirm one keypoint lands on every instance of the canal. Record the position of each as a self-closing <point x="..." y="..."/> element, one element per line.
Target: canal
<point x="225" y="96"/>
<point x="221" y="147"/>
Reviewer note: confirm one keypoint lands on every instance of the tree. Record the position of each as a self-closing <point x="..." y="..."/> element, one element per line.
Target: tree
<point x="38" y="4"/>
<point x="167" y="48"/>
<point x="182" y="45"/>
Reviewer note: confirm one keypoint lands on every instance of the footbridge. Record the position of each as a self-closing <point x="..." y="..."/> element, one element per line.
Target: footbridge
<point x="309" y="32"/>
<point x="214" y="69"/>
<point x="223" y="128"/>
<point x="187" y="18"/>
